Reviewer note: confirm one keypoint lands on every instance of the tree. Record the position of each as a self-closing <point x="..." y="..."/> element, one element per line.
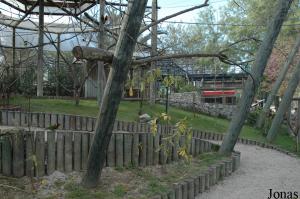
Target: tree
<point x="253" y="82"/>
<point x="277" y="84"/>
<point x="113" y="90"/>
<point x="284" y="104"/>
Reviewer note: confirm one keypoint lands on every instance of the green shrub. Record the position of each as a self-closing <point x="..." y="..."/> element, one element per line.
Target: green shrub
<point x="253" y="116"/>
<point x="187" y="88"/>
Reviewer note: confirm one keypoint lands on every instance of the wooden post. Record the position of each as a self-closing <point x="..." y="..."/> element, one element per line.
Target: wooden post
<point x="57" y="69"/>
<point x="128" y="137"/>
<point x="149" y="149"/>
<point x="135" y="150"/>
<point x="113" y="91"/>
<point x="60" y="151"/>
<point x="111" y="151"/>
<point x="50" y="152"/>
<point x="40" y="153"/>
<point x="101" y="72"/>
<point x="143" y="149"/>
<point x="14" y="52"/>
<point x="29" y="154"/>
<point x="77" y="151"/>
<point x="85" y="150"/>
<point x="257" y="70"/>
<point x="6" y="156"/>
<point x="298" y="126"/>
<point x="153" y="48"/>
<point x="40" y="50"/>
<point x="119" y="149"/>
<point x="68" y="151"/>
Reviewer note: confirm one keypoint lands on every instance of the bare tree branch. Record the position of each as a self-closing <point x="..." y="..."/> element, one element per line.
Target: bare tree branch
<point x="173" y="15"/>
<point x="178" y="56"/>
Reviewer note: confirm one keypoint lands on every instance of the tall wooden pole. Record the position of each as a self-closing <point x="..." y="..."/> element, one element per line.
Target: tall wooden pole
<point x="298" y="126"/>
<point x="153" y="49"/>
<point x="277" y="84"/>
<point x="258" y="68"/>
<point x="40" y="50"/>
<point x="14" y="52"/>
<point x="101" y="77"/>
<point x="284" y="104"/>
<point x="57" y="69"/>
<point x="113" y="91"/>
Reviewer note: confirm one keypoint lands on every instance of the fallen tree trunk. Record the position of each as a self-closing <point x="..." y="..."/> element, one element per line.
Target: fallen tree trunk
<point x="92" y="54"/>
<point x="98" y="54"/>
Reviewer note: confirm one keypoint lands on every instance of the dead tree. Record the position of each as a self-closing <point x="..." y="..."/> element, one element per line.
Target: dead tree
<point x="113" y="90"/>
<point x="101" y="71"/>
<point x="257" y="71"/>
<point x="284" y="104"/>
<point x="153" y="49"/>
<point x="277" y="84"/>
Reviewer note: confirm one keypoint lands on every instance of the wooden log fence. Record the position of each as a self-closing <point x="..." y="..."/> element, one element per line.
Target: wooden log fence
<point x="82" y="123"/>
<point x="39" y="153"/>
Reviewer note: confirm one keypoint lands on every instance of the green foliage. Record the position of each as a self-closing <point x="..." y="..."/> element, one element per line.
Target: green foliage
<point x="128" y="111"/>
<point x="76" y="191"/>
<point x="180" y="130"/>
<point x="119" y="191"/>
<point x="187" y="88"/>
<point x="152" y="75"/>
<point x="253" y="116"/>
<point x="26" y="82"/>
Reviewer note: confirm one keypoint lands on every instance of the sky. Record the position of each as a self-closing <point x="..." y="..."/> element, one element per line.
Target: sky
<point x="167" y="7"/>
<point x="172" y="6"/>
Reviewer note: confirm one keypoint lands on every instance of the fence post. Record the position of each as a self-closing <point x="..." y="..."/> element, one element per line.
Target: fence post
<point x="30" y="145"/>
<point x="85" y="150"/>
<point x="40" y="152"/>
<point x="111" y="161"/>
<point x="6" y="156"/>
<point x="60" y="151"/>
<point x="135" y="150"/>
<point x="18" y="153"/>
<point x="68" y="151"/>
<point x="119" y="149"/>
<point x="128" y="137"/>
<point x="77" y="151"/>
<point x="50" y="152"/>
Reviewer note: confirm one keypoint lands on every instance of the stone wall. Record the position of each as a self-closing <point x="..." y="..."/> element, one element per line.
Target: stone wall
<point x="192" y="101"/>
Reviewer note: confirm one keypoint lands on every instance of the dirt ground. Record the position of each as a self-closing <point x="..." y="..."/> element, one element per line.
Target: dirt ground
<point x="115" y="183"/>
<point x="260" y="170"/>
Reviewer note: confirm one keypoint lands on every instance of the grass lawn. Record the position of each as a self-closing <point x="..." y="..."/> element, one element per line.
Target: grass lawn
<point x="128" y="111"/>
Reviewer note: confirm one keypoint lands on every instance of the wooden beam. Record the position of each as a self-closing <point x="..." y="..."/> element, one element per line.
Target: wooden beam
<point x="113" y="91"/>
<point x="89" y="53"/>
<point x="153" y="49"/>
<point x="101" y="77"/>
<point x="98" y="54"/>
<point x="14" y="52"/>
<point x="57" y="64"/>
<point x="26" y="14"/>
<point x="40" y="50"/>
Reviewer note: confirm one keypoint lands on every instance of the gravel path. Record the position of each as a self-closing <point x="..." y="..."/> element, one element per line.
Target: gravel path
<point x="260" y="170"/>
